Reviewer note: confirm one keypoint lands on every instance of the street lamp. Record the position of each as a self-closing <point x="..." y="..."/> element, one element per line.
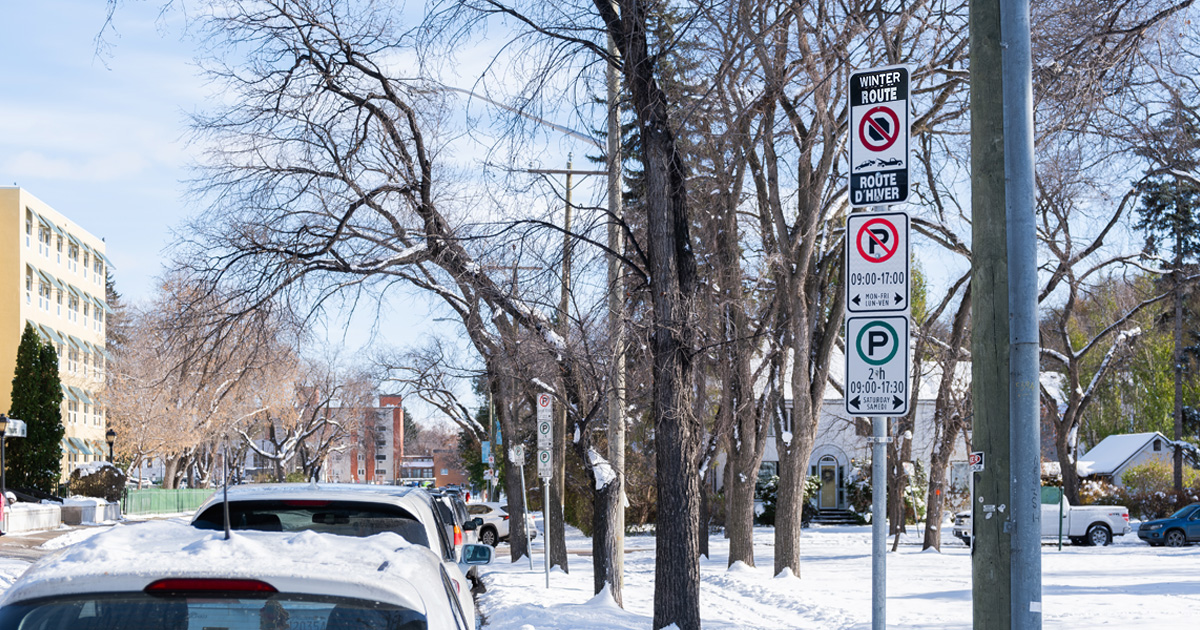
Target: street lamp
<point x="3" y="434"/>
<point x="110" y="437"/>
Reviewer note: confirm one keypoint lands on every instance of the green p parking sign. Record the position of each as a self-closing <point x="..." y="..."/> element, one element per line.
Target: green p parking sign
<point x="877" y="366"/>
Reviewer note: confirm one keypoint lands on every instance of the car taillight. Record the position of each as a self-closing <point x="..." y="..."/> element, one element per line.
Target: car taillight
<point x="505" y="517"/>
<point x="208" y="585"/>
<point x="1125" y="516"/>
<point x="457" y="535"/>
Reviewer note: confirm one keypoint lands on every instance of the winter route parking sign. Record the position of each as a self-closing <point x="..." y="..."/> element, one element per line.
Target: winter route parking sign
<point x="879" y="134"/>
<point x="877" y="366"/>
<point x="877" y="262"/>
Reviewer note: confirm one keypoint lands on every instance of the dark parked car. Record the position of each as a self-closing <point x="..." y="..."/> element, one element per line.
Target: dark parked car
<point x="1176" y="530"/>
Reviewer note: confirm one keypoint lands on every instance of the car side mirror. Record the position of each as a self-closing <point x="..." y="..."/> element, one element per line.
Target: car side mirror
<point x="470" y="525"/>
<point x="474" y="554"/>
<point x="478" y="521"/>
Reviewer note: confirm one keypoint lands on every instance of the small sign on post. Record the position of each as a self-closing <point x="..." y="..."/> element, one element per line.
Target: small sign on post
<point x="545" y="464"/>
<point x="975" y="461"/>
<point x="517" y="454"/>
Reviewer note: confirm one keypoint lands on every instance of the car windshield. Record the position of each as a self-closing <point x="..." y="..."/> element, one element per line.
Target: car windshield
<point x="228" y="611"/>
<point x="346" y="518"/>
<point x="1184" y="512"/>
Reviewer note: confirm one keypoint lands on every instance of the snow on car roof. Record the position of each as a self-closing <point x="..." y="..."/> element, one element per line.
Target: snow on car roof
<point x="315" y="491"/>
<point x="128" y="557"/>
<point x="1107" y="456"/>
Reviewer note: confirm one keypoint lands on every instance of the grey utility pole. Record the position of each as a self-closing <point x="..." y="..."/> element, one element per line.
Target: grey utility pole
<point x="1024" y="427"/>
<point x="990" y="552"/>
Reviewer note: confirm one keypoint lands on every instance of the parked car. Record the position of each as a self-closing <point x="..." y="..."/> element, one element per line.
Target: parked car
<point x="1176" y="530"/>
<point x="168" y="576"/>
<point x="1081" y="524"/>
<point x="494" y="529"/>
<point x="346" y="509"/>
<point x="460" y="526"/>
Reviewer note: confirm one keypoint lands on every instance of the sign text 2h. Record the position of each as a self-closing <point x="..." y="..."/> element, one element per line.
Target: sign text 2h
<point x="879" y="136"/>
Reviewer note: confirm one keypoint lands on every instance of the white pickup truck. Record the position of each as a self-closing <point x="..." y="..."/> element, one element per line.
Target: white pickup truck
<point x="1081" y="524"/>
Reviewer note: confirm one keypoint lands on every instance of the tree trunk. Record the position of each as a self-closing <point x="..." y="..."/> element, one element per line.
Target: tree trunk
<point x="672" y="269"/>
<point x="1178" y="356"/>
<point x="1066" y="462"/>
<point x="739" y="519"/>
<point x="518" y="542"/>
<point x="170" y="479"/>
<point x="604" y="537"/>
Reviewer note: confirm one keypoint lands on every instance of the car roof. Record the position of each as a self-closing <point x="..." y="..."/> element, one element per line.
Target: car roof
<point x="411" y="498"/>
<point x="415" y="500"/>
<point x="127" y="558"/>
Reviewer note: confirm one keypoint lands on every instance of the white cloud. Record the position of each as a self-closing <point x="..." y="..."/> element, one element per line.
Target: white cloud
<point x="99" y="168"/>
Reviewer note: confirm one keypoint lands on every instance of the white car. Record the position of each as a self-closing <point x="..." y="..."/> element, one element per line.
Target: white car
<point x="169" y="576"/>
<point x="494" y="529"/>
<point x="345" y="509"/>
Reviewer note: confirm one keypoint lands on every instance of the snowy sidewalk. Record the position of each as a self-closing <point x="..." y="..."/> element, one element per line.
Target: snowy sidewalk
<point x="1126" y="585"/>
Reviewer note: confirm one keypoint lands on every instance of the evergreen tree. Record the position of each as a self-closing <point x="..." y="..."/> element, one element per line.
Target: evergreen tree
<point x="34" y="461"/>
<point x="1170" y="218"/>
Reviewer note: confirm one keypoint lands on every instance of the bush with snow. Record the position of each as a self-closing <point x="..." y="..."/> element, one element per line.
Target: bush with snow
<point x="98" y="479"/>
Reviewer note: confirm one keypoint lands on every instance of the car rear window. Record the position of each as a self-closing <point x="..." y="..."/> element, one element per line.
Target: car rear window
<point x="228" y="611"/>
<point x="346" y="518"/>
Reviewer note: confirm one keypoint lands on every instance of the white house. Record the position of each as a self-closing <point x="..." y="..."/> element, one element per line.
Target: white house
<point x="839" y="446"/>
<point x="1115" y="454"/>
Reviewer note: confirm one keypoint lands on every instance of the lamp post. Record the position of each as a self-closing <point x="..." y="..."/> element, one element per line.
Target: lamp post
<point x="110" y="436"/>
<point x="3" y="466"/>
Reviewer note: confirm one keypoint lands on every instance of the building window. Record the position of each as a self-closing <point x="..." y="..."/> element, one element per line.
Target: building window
<point x="1158" y="445"/>
<point x="85" y="265"/>
<point x="28" y="226"/>
<point x="73" y="411"/>
<point x="72" y="360"/>
<point x="59" y="248"/>
<point x="59" y="302"/>
<point x="445" y="472"/>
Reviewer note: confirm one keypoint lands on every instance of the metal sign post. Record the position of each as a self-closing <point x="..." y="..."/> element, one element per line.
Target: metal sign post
<point x="545" y="463"/>
<point x="877" y="274"/>
<point x="518" y="458"/>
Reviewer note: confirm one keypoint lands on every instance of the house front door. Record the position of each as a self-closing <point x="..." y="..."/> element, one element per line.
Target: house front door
<point x="828" y="485"/>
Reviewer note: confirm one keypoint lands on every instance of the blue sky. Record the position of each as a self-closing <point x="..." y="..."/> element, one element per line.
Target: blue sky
<point x="101" y="138"/>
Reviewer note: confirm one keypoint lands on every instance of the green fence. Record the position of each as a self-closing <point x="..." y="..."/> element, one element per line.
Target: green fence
<point x="154" y="501"/>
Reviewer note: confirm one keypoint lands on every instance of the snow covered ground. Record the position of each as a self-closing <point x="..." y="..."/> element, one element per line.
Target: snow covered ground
<point x="1126" y="585"/>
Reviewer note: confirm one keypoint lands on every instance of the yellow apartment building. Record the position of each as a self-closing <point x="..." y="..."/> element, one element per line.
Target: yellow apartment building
<point x="52" y="275"/>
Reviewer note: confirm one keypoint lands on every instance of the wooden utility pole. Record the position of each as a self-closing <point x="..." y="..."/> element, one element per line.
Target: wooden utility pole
<point x="990" y="552"/>
<point x="555" y="531"/>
